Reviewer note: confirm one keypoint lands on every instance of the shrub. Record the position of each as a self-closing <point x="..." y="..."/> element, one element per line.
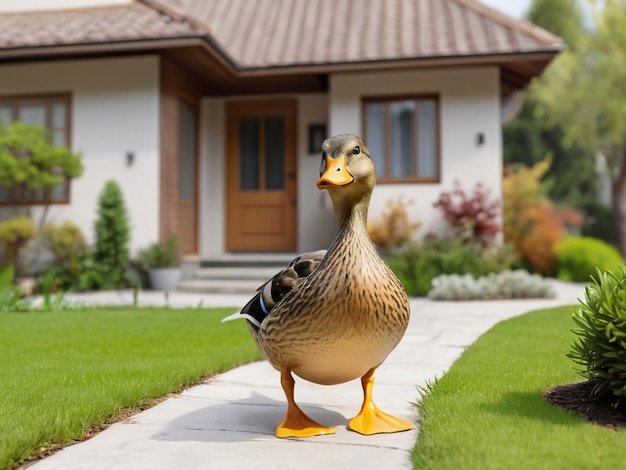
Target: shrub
<point x="580" y="257"/>
<point x="394" y="228"/>
<point x="112" y="235"/>
<point x="161" y="254"/>
<point x="517" y="284"/>
<point x="67" y="243"/>
<point x="537" y="247"/>
<point x="14" y="234"/>
<point x="531" y="223"/>
<point x="600" y="346"/>
<point x="88" y="276"/>
<point x="473" y="217"/>
<point x="420" y="263"/>
<point x="74" y="268"/>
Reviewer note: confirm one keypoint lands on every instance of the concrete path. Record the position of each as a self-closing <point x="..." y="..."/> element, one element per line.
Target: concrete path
<point x="229" y="421"/>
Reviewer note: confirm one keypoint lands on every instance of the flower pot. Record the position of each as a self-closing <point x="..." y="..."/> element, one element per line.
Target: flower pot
<point x="164" y="278"/>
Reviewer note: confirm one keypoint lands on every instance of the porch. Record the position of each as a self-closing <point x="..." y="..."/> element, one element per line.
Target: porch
<point x="231" y="273"/>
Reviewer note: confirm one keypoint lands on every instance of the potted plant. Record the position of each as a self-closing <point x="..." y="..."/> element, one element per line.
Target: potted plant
<point x="162" y="261"/>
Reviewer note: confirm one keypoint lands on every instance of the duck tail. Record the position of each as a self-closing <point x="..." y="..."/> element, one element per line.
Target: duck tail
<point x="254" y="311"/>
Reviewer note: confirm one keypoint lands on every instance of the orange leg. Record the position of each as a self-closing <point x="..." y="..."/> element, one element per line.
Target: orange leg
<point x="296" y="423"/>
<point x="371" y="420"/>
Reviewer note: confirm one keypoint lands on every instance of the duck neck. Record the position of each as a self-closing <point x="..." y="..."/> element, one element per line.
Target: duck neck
<point x="351" y="223"/>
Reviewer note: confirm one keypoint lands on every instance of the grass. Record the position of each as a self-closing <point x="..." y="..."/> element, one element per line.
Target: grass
<point x="488" y="412"/>
<point x="65" y="372"/>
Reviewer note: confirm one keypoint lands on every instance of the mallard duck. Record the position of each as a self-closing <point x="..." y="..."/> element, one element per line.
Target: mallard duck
<point x="334" y="316"/>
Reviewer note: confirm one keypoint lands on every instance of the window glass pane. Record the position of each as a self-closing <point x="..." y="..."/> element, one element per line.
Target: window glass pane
<point x="186" y="151"/>
<point x="6" y="115"/>
<point x="5" y="194"/>
<point x="426" y="139"/>
<point x="375" y="132"/>
<point x="32" y="114"/>
<point x="59" y="193"/>
<point x="58" y="137"/>
<point x="275" y="153"/>
<point x="33" y="194"/>
<point x="59" y="115"/>
<point x="402" y="113"/>
<point x="249" y="153"/>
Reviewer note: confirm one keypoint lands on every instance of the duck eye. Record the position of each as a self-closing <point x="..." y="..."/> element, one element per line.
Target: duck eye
<point x="356" y="150"/>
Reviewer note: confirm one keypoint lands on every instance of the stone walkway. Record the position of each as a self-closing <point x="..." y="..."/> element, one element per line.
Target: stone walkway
<point x="229" y="421"/>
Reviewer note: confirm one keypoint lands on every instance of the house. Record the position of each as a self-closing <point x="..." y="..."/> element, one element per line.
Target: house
<point x="210" y="113"/>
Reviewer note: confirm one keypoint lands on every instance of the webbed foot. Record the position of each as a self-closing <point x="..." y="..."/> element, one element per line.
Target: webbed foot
<point x="297" y="424"/>
<point x="371" y="419"/>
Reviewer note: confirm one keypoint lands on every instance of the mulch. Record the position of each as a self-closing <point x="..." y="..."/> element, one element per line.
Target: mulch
<point x="578" y="398"/>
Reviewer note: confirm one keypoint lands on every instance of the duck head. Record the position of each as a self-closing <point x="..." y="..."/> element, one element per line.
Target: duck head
<point x="347" y="170"/>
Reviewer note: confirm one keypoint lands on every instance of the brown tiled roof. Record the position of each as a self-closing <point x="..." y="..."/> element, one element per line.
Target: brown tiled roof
<point x="261" y="34"/>
<point x="80" y="26"/>
<point x="271" y="33"/>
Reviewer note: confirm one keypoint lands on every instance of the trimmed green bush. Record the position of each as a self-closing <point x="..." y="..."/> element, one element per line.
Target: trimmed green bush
<point x="112" y="236"/>
<point x="579" y="257"/>
<point x="419" y="264"/>
<point x="600" y="347"/>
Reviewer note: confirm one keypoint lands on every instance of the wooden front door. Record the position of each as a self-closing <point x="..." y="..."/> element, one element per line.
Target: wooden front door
<point x="261" y="176"/>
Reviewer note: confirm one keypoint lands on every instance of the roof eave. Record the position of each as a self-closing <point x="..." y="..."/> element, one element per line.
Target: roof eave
<point x="27" y="53"/>
<point x="544" y="56"/>
<point x="140" y="45"/>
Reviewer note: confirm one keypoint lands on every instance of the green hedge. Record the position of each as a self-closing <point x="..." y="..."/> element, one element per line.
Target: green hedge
<point x="419" y="264"/>
<point x="579" y="258"/>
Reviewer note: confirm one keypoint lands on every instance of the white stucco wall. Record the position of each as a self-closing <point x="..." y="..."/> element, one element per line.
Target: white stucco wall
<point x="115" y="110"/>
<point x="212" y="196"/>
<point x="470" y="104"/>
<point x="316" y="220"/>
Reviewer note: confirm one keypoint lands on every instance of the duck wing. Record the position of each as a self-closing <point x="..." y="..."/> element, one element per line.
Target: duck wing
<point x="272" y="292"/>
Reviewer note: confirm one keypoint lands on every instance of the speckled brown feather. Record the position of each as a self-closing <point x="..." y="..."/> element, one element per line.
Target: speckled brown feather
<point x="347" y="315"/>
<point x="272" y="292"/>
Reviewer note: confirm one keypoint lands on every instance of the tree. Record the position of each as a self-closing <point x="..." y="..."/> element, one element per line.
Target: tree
<point x="585" y="91"/>
<point x="529" y="139"/>
<point x="30" y="163"/>
<point x="562" y="17"/>
<point x="112" y="235"/>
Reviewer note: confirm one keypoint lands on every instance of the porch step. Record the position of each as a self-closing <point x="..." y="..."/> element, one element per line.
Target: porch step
<point x="219" y="286"/>
<point x="236" y="274"/>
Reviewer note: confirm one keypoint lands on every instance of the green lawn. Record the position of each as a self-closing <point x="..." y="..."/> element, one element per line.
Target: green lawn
<point x="62" y="373"/>
<point x="487" y="411"/>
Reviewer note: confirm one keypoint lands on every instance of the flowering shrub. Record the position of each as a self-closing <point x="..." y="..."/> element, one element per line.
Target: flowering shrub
<point x="394" y="229"/>
<point x="537" y="246"/>
<point x="473" y="216"/>
<point x="531" y="223"/>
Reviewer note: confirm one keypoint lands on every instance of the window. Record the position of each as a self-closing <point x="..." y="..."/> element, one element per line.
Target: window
<point x="51" y="112"/>
<point x="402" y="135"/>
